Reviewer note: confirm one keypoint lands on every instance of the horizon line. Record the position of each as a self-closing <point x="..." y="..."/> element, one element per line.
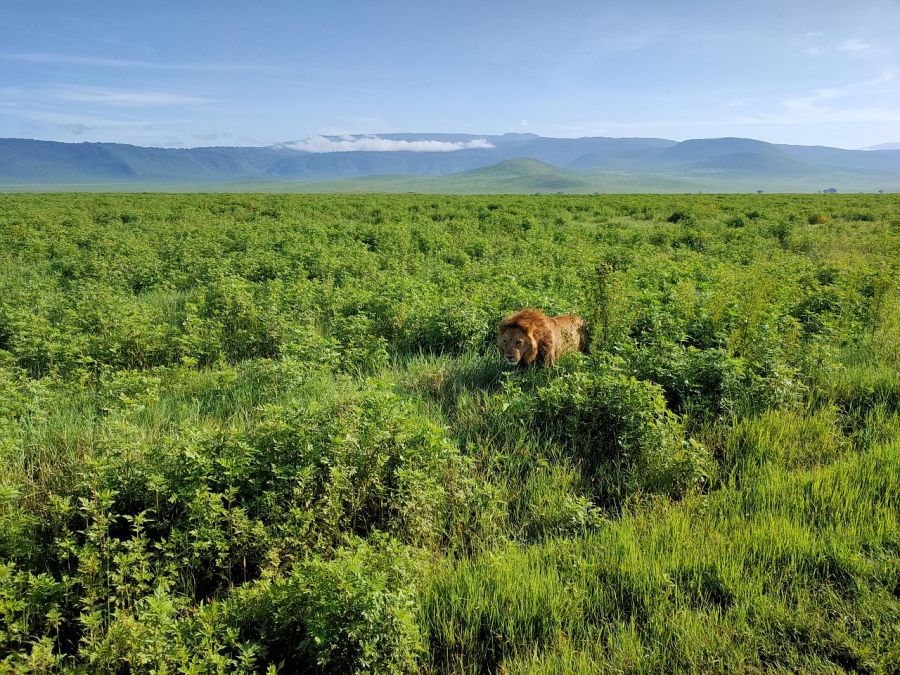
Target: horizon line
<point x="384" y="135"/>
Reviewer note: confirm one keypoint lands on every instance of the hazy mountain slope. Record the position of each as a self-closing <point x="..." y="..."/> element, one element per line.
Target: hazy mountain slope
<point x="752" y="163"/>
<point x="522" y="175"/>
<point x="28" y="161"/>
<point x="883" y="146"/>
<point x="872" y="160"/>
<point x="497" y="164"/>
<point x="701" y="149"/>
<point x="623" y="153"/>
<point x="47" y="161"/>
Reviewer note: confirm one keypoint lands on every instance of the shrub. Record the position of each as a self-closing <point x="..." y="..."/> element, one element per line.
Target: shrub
<point x="782" y="231"/>
<point x="682" y="217"/>
<point x="361" y="610"/>
<point x="354" y="612"/>
<point x="30" y="604"/>
<point x="620" y="429"/>
<point x="362" y="348"/>
<point x="232" y="320"/>
<point x="441" y="326"/>
<point x="712" y="383"/>
<point x="363" y="461"/>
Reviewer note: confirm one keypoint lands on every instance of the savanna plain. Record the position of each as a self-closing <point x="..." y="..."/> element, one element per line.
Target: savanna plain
<point x="273" y="433"/>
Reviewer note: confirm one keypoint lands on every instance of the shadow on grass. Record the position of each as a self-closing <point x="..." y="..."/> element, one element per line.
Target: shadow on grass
<point x="443" y="378"/>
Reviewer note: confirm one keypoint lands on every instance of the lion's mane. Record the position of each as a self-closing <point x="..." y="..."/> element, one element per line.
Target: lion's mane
<point x="541" y="330"/>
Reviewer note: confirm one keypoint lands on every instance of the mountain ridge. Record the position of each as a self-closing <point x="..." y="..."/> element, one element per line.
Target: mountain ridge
<point x="567" y="164"/>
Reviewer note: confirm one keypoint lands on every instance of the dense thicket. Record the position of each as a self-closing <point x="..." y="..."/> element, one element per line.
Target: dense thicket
<point x="244" y="432"/>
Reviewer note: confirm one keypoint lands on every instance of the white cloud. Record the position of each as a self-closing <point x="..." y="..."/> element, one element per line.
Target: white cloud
<point x="371" y="143"/>
<point x="129" y="98"/>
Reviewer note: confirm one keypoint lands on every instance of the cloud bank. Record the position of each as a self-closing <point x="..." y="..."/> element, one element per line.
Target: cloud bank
<point x="377" y="144"/>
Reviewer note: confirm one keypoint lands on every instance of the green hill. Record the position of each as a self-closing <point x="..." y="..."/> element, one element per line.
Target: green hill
<point x="520" y="175"/>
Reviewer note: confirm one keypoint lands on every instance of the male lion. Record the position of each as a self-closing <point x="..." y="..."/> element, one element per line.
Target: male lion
<point x="530" y="335"/>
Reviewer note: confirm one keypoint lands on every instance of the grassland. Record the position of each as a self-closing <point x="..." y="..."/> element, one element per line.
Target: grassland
<point x="271" y="432"/>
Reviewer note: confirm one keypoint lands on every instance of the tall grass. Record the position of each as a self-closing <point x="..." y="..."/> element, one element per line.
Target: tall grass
<point x="245" y="433"/>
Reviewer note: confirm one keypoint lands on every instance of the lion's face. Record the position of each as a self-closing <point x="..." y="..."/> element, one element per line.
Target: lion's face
<point x="516" y="346"/>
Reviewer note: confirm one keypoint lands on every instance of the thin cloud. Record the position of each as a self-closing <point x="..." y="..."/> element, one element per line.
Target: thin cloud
<point x="824" y="115"/>
<point x="130" y="98"/>
<point x="56" y="97"/>
<point x="59" y="119"/>
<point x="211" y="136"/>
<point x="854" y="47"/>
<point x="76" y="129"/>
<point x="102" y="62"/>
<point x="377" y="144"/>
<point x="631" y="41"/>
<point x="813" y="44"/>
<point x="848" y="103"/>
<point x="618" y="30"/>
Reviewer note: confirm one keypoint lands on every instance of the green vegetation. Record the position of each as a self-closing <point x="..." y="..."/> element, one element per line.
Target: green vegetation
<point x="251" y="433"/>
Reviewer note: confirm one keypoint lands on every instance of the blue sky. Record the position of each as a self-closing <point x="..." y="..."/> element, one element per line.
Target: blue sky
<point x="238" y="73"/>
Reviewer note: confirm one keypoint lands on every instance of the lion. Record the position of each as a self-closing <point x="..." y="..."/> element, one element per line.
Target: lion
<point x="530" y="335"/>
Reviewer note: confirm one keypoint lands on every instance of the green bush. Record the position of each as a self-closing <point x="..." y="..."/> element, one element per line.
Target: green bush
<point x="368" y="460"/>
<point x="233" y="320"/>
<point x="361" y="611"/>
<point x="619" y="427"/>
<point x="711" y="383"/>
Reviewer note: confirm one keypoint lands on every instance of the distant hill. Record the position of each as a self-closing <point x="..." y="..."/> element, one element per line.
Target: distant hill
<point x="763" y="164"/>
<point x="521" y="175"/>
<point x="700" y="149"/>
<point x="452" y="163"/>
